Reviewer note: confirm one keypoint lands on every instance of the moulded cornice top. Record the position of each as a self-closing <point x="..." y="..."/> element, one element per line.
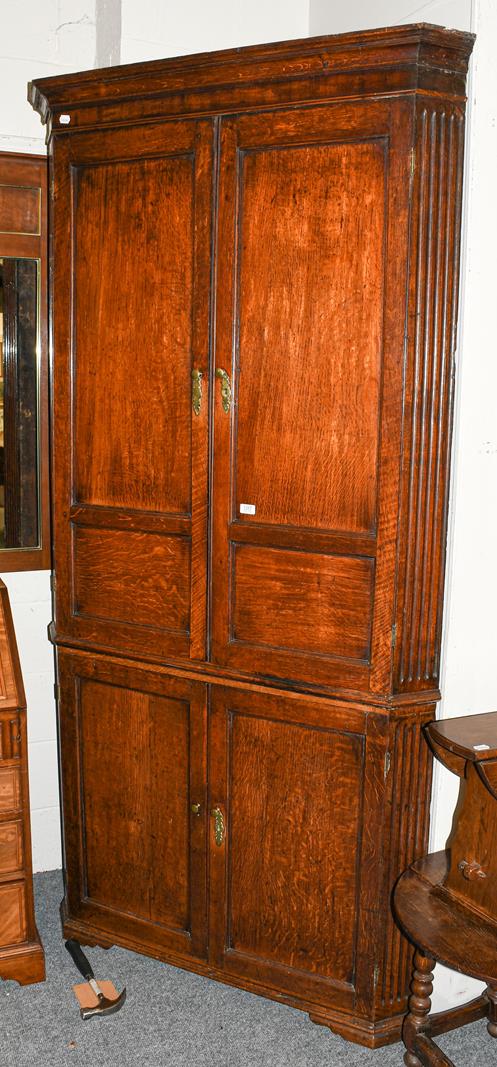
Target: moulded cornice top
<point x="419" y="45"/>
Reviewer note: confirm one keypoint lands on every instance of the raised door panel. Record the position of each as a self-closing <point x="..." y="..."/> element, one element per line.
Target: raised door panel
<point x="133" y="759"/>
<point x="130" y="517"/>
<point x="13" y="921"/>
<point x="306" y="455"/>
<point x="10" y="789"/>
<point x="11" y="847"/>
<point x="290" y="779"/>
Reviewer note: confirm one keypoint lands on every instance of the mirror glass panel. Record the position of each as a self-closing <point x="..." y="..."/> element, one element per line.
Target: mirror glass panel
<point x="19" y="447"/>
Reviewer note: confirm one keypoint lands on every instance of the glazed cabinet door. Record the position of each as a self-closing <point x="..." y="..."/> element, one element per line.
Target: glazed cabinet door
<point x="133" y="750"/>
<point x="131" y="323"/>
<point x="290" y="858"/>
<point x="312" y="252"/>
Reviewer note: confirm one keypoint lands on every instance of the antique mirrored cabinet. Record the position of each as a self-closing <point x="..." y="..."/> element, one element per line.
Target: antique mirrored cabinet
<point x="24" y="512"/>
<point x="255" y="258"/>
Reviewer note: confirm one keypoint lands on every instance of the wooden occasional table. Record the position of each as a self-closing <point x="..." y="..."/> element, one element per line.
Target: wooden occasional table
<point x="446" y="903"/>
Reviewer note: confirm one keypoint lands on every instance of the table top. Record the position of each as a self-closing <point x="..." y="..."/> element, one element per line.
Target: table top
<point x="440" y="924"/>
<point x="474" y="737"/>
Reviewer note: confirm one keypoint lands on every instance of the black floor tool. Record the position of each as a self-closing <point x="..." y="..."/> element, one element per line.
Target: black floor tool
<point x="105" y="1006"/>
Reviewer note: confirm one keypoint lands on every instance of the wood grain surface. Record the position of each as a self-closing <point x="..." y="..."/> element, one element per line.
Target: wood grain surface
<point x="311" y="244"/>
<point x="11" y="850"/>
<point x="140" y="765"/>
<point x="302" y="601"/>
<point x="21" y="952"/>
<point x="260" y="578"/>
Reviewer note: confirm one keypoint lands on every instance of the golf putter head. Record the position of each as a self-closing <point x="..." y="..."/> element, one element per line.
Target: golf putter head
<point x="105" y="1005"/>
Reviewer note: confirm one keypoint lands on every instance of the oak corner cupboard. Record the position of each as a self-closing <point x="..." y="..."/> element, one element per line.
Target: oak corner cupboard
<point x="252" y="403"/>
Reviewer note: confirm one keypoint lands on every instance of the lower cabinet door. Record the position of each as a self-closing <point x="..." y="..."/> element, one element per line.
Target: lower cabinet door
<point x="133" y="747"/>
<point x="289" y="792"/>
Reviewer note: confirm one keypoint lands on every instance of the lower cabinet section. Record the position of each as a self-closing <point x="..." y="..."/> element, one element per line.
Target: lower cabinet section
<point x="249" y="834"/>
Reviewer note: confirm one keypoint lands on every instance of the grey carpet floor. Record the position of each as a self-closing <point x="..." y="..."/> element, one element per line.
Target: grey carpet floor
<point x="175" y="1019"/>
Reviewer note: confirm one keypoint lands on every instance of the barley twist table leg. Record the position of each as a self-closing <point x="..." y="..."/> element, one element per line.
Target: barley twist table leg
<point x="419" y="1005"/>
<point x="492" y="1011"/>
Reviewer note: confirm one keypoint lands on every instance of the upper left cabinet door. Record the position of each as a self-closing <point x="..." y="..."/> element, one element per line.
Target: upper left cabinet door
<point x="131" y="336"/>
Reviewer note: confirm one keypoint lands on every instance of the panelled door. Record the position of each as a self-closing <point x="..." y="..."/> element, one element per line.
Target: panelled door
<point x="312" y="246"/>
<point x="290" y="782"/>
<point x="130" y="376"/>
<point x="133" y="758"/>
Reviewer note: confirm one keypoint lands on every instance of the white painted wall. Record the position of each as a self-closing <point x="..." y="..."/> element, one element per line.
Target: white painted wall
<point x="469" y="679"/>
<point x="151" y="30"/>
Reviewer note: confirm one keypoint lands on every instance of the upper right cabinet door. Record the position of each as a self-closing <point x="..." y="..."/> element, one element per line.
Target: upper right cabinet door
<point x="311" y="313"/>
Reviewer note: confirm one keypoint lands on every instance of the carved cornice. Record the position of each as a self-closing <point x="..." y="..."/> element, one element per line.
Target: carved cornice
<point x="396" y="59"/>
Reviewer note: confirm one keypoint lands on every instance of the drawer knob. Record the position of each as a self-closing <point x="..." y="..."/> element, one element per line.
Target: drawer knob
<point x="471" y="871"/>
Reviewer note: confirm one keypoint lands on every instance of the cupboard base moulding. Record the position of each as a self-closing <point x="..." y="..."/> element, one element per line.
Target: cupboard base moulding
<point x="351" y="1027"/>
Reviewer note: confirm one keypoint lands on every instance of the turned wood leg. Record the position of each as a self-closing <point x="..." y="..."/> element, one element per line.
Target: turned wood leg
<point x="492" y="1010"/>
<point x="419" y="1005"/>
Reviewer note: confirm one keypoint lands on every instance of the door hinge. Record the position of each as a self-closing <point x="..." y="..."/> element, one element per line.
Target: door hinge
<point x="412" y="161"/>
<point x="53" y="582"/>
<point x="56" y="690"/>
<point x="394" y="635"/>
<point x="376" y="974"/>
<point x="387" y="764"/>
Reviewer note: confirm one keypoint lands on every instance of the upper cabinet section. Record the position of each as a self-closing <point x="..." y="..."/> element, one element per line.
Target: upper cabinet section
<point x="253" y="362"/>
<point x="398" y="59"/>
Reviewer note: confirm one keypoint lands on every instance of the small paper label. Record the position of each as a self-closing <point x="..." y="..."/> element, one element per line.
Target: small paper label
<point x="247" y="509"/>
<point x="481" y="748"/>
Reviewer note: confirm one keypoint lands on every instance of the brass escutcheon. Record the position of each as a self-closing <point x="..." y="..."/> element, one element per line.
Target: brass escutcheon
<point x="196" y="391"/>
<point x="225" y="388"/>
<point x="219" y="827"/>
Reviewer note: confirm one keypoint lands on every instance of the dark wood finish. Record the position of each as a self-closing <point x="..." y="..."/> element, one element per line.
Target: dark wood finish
<point x="399" y="59"/>
<point x="279" y="775"/>
<point x="23" y="234"/>
<point x="20" y="403"/>
<point x="21" y="953"/>
<point x="138" y="508"/>
<point x="447" y="902"/>
<point x="471" y="737"/>
<point x="20" y="210"/>
<point x="284" y="379"/>
<point x="427" y="424"/>
<point x="133" y="763"/>
<point x="280" y="553"/>
<point x="288" y="874"/>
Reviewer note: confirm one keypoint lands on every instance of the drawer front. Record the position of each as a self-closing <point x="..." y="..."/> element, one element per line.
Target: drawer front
<point x="12" y="914"/>
<point x="11" y="847"/>
<point x="10" y="789"/>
